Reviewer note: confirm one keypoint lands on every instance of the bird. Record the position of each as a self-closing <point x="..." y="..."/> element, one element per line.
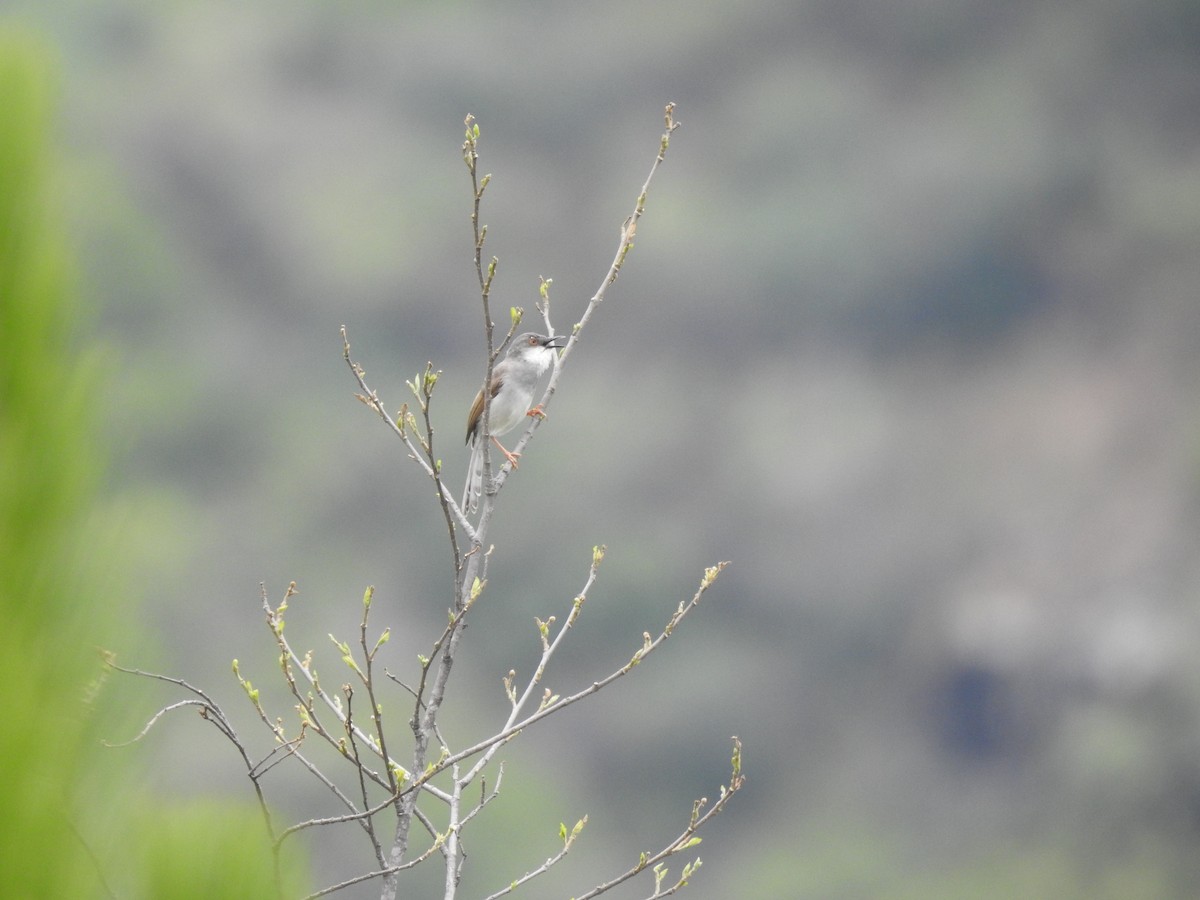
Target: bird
<point x="511" y="389"/>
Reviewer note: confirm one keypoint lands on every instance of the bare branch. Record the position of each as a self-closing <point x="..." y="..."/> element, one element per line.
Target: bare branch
<point x="397" y="425"/>
<point x="381" y="873"/>
<point x="485" y="796"/>
<point x="369" y="681"/>
<point x="548" y="650"/>
<point x="210" y="711"/>
<point x="568" y="839"/>
<point x="276" y="755"/>
<point x="624" y="245"/>
<point x="686" y="839"/>
<point x="154" y="718"/>
<point x="397" y="789"/>
<point x="367" y="821"/>
<point x="356" y="816"/>
<point x="648" y="646"/>
<point x="290" y="663"/>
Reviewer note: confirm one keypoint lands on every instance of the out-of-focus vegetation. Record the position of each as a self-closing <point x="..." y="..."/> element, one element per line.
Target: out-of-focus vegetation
<point x="909" y="333"/>
<point x="73" y="826"/>
<point x="46" y="546"/>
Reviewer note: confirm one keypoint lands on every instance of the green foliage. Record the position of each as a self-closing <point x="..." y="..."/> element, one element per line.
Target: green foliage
<point x="61" y="791"/>
<point x="50" y="575"/>
<point x="207" y="850"/>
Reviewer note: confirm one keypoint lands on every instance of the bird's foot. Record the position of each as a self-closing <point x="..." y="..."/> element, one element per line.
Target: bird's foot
<point x="537" y="411"/>
<point x="511" y="457"/>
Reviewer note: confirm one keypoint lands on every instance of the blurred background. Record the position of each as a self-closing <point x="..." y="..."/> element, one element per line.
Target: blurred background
<point x="909" y="334"/>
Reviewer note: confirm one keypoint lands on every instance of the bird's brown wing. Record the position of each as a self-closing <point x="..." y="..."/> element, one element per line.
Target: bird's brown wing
<point x="476" y="413"/>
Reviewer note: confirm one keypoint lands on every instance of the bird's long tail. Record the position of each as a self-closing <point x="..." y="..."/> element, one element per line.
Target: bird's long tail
<point x="474" y="478"/>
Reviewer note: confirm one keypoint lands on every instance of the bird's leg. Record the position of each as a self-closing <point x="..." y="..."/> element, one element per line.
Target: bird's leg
<point x="511" y="457"/>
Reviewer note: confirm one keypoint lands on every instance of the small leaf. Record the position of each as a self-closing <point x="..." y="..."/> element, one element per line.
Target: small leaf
<point x="711" y="573"/>
<point x="660" y="872"/>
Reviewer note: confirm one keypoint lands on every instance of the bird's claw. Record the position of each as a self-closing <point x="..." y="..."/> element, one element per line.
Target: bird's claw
<point x="511" y="457"/>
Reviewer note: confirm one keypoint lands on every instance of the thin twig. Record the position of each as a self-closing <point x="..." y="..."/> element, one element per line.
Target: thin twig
<point x="449" y="508"/>
<point x="278" y="754"/>
<point x="290" y="660"/>
<point x="548" y="650"/>
<point x="211" y="712"/>
<point x="686" y="839"/>
<point x="367" y="821"/>
<point x="624" y="245"/>
<point x="369" y="681"/>
<point x="356" y="816"/>
<point x="153" y="720"/>
<point x="370" y="399"/>
<point x="649" y="645"/>
<point x="568" y="840"/>
<point x="387" y="871"/>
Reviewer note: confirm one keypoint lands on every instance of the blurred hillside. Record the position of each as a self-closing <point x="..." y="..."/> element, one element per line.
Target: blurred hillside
<point x="909" y="334"/>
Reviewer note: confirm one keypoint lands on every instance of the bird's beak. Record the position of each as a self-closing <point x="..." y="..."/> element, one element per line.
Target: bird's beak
<point x="554" y="341"/>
